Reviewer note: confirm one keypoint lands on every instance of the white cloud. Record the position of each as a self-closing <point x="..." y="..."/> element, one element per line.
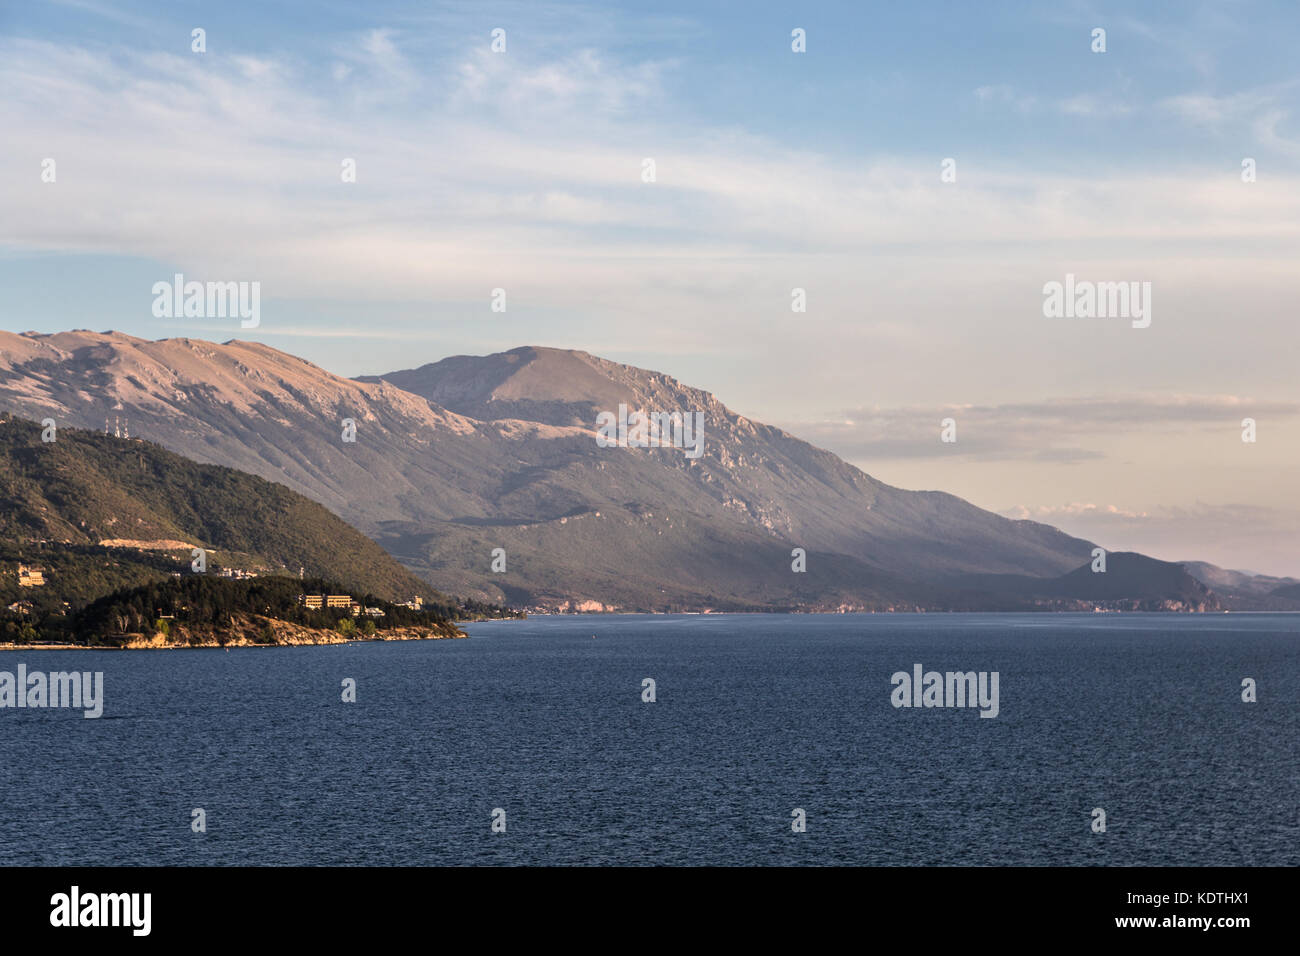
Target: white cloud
<point x="1062" y="431"/>
<point x="518" y="171"/>
<point x="1238" y="535"/>
<point x="1087" y="104"/>
<point x="1052" y="514"/>
<point x="1003" y="93"/>
<point x="1266" y="132"/>
<point x="1256" y="112"/>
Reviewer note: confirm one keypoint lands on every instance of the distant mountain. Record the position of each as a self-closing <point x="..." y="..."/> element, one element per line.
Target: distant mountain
<point x="1287" y="592"/>
<point x="1130" y="582"/>
<point x="1245" y="591"/>
<point x="460" y="457"/>
<point x="100" y="513"/>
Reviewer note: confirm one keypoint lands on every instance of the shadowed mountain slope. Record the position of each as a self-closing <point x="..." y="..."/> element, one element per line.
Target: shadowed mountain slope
<point x="99" y="512"/>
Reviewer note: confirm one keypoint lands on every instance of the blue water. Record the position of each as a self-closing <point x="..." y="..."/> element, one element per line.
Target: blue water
<point x="1140" y="715"/>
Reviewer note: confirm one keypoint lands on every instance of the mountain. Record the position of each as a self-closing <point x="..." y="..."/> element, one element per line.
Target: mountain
<point x="457" y="458"/>
<point x="99" y="513"/>
<point x="1224" y="580"/>
<point x="1130" y="582"/>
<point x="1246" y="591"/>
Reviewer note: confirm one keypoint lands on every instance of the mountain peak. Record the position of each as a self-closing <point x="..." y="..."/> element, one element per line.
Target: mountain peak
<point x="560" y="387"/>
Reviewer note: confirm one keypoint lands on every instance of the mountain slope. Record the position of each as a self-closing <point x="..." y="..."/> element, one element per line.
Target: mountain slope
<point x="135" y="503"/>
<point x="1244" y="591"/>
<point x="1131" y="582"/>
<point x="770" y="490"/>
<point x="460" y="457"/>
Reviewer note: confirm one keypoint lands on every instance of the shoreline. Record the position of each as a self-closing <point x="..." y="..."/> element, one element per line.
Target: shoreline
<point x="150" y="645"/>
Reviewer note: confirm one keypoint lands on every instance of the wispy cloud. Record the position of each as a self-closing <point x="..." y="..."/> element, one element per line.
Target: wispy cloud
<point x="1254" y="114"/>
<point x="1057" y="513"/>
<point x="1061" y="431"/>
<point x="1087" y="104"/>
<point x="534" y="165"/>
<point x="1007" y="95"/>
<point x="1241" y="536"/>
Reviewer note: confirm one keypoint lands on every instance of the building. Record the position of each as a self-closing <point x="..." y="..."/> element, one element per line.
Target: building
<point x="317" y="601"/>
<point x="30" y="577"/>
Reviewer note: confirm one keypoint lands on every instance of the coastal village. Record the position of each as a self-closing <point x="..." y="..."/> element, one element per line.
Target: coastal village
<point x="29" y="577"/>
<point x="314" y="602"/>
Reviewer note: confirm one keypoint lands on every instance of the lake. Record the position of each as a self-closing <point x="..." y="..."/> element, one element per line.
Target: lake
<point x="755" y="716"/>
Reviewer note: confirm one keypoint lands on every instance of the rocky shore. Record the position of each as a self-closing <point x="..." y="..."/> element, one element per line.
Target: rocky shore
<point x="253" y="631"/>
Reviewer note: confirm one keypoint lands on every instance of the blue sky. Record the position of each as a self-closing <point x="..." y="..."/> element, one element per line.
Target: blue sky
<point x="774" y="170"/>
<point x="878" y="78"/>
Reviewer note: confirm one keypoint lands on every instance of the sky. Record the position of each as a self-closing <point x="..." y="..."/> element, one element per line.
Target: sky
<point x="921" y="171"/>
